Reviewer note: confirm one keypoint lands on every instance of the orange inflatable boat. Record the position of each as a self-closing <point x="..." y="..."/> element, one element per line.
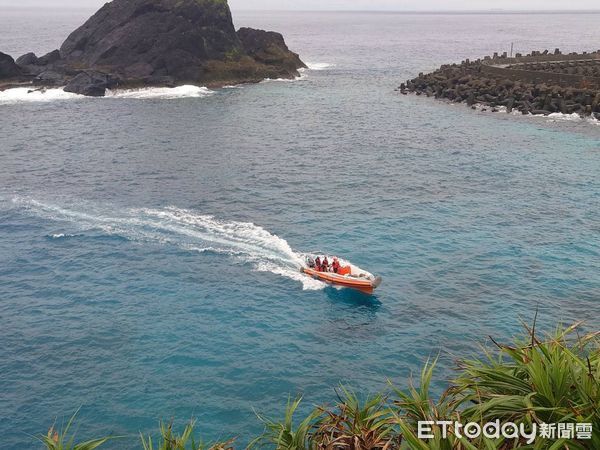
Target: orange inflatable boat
<point x="348" y="275"/>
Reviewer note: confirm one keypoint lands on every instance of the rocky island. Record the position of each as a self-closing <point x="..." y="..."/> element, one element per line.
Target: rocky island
<point x="542" y="82"/>
<point x="139" y="43"/>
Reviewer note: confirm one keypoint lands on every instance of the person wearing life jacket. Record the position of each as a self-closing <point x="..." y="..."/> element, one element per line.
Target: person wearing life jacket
<point x="318" y="263"/>
<point x="325" y="264"/>
<point x="335" y="265"/>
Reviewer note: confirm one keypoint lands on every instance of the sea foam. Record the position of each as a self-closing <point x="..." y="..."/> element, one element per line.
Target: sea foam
<point x="552" y="117"/>
<point x="26" y="94"/>
<point x="300" y="77"/>
<point x="185" y="91"/>
<point x="318" y="66"/>
<point x="574" y="117"/>
<point x="303" y="72"/>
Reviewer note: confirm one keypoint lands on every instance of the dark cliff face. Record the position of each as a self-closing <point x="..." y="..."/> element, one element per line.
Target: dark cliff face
<point x="130" y="43"/>
<point x="268" y="47"/>
<point x="153" y="38"/>
<point x="8" y="67"/>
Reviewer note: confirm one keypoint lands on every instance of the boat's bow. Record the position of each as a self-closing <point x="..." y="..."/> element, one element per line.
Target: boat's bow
<point x="377" y="281"/>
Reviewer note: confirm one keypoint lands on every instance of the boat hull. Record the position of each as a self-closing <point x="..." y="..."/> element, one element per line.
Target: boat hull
<point x="362" y="284"/>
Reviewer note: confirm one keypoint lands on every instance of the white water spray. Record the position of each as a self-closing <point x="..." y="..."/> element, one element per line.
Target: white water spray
<point x="189" y="230"/>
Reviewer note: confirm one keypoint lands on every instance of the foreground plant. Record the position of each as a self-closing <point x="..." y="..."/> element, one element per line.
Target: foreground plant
<point x="416" y="405"/>
<point x="356" y="425"/>
<point x="169" y="440"/>
<point x="284" y="435"/>
<point x="537" y="382"/>
<point x="61" y="440"/>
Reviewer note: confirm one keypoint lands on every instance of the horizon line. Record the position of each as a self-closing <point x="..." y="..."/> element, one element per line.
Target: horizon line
<point x="432" y="11"/>
<point x="396" y="11"/>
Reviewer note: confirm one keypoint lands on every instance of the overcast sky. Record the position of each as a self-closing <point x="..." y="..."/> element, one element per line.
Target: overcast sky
<point x="400" y="5"/>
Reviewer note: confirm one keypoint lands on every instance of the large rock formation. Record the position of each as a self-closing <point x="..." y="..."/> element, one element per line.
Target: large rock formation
<point x="136" y="39"/>
<point x="130" y="43"/>
<point x="8" y="67"/>
<point x="268" y="48"/>
<point x="91" y="83"/>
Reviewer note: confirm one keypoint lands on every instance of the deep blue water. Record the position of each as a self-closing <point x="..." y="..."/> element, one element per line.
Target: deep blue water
<point x="148" y="246"/>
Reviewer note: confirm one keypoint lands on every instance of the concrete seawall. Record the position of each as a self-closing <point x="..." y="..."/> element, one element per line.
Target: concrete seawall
<point x="509" y="68"/>
<point x="539" y="83"/>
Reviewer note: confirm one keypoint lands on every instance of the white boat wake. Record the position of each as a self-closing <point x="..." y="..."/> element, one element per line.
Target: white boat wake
<point x="186" y="229"/>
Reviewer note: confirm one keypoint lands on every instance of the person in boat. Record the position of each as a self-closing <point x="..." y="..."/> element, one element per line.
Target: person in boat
<point x="318" y="264"/>
<point x="335" y="265"/>
<point x="325" y="264"/>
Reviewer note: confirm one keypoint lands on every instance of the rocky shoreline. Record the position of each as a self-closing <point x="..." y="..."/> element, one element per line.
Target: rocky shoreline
<point x="155" y="43"/>
<point x="539" y="83"/>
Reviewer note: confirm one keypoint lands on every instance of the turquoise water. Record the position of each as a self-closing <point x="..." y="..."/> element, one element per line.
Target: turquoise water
<point x="149" y="247"/>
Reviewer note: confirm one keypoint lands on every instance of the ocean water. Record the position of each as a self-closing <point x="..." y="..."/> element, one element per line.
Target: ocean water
<point x="149" y="241"/>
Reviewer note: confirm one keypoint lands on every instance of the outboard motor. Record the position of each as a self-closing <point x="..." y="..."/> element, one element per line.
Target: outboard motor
<point x="310" y="262"/>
